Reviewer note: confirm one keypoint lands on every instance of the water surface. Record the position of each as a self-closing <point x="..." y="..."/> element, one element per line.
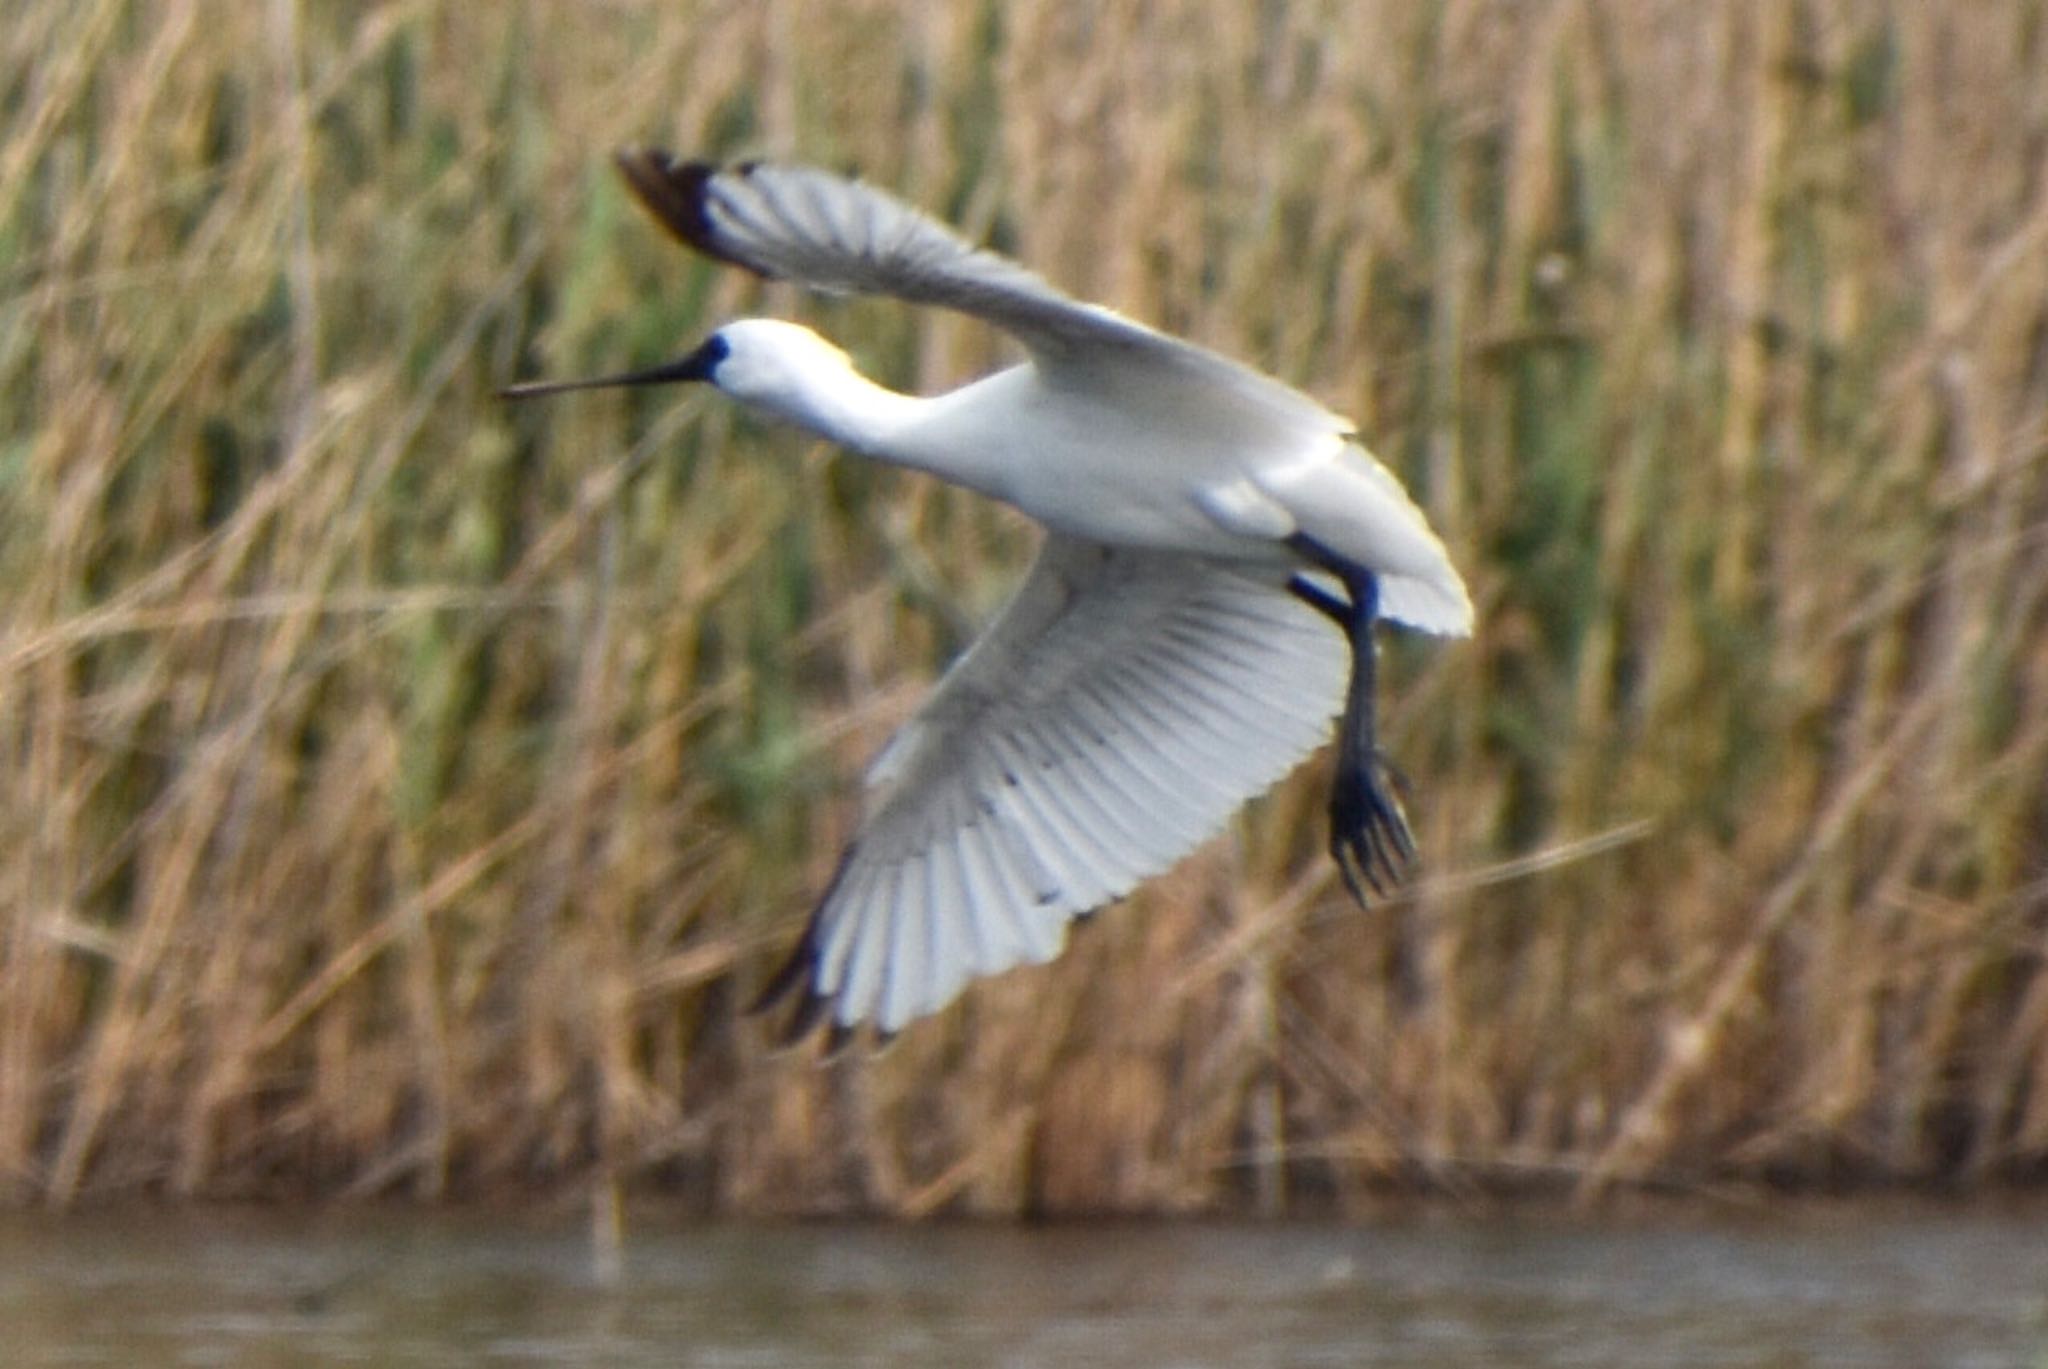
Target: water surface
<point x="1842" y="1287"/>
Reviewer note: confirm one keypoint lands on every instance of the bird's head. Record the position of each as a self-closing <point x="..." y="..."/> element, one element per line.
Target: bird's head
<point x="770" y="364"/>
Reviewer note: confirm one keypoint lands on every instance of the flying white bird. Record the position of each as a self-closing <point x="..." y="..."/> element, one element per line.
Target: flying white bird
<point x="1170" y="653"/>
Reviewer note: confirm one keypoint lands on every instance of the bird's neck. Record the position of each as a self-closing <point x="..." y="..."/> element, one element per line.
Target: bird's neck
<point x="846" y="407"/>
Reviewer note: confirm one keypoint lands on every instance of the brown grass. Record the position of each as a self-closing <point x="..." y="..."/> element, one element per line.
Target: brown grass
<point x="404" y="790"/>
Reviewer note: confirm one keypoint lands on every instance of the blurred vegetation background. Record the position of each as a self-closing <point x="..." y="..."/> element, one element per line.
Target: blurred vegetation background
<point x="404" y="790"/>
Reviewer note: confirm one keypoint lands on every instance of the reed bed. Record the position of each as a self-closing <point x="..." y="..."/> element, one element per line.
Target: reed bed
<point x="405" y="790"/>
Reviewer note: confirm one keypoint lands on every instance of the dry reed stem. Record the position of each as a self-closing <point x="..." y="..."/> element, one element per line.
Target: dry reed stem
<point x="405" y="790"/>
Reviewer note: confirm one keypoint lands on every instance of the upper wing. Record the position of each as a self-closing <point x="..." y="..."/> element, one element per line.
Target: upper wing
<point x="831" y="233"/>
<point x="1117" y="712"/>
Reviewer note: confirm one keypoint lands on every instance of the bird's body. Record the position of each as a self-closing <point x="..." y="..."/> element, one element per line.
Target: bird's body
<point x="1170" y="653"/>
<point x="1129" y="452"/>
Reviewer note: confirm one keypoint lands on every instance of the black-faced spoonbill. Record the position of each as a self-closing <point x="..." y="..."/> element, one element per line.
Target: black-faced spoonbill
<point x="1168" y="656"/>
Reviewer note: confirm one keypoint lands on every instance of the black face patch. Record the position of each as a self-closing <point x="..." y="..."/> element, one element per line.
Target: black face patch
<point x="702" y="363"/>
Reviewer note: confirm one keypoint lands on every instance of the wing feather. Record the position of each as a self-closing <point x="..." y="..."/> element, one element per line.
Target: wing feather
<point x="1082" y="871"/>
<point x="1249" y="719"/>
<point x="985" y="935"/>
<point x="839" y="235"/>
<point x="1194" y="757"/>
<point x="864" y="940"/>
<point x="908" y="972"/>
<point x="1122" y="706"/>
<point x="1141" y="757"/>
<point x="1022" y="862"/>
<point x="952" y="953"/>
<point x="1092" y="808"/>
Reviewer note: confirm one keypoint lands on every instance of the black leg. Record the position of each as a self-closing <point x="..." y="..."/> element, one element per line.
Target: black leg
<point x="1369" y="836"/>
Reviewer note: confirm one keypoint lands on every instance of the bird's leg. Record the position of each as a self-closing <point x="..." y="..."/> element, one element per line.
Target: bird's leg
<point x="1369" y="836"/>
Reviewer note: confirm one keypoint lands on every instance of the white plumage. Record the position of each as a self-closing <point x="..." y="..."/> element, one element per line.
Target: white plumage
<point x="1171" y="652"/>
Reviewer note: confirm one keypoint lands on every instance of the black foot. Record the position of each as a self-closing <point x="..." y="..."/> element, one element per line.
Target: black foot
<point x="1369" y="836"/>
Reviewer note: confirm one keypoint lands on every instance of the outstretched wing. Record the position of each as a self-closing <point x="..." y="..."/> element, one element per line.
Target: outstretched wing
<point x="1114" y="716"/>
<point x="835" y="234"/>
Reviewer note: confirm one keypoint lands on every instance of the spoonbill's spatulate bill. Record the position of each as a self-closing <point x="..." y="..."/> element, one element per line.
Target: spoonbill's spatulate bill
<point x="1171" y="652"/>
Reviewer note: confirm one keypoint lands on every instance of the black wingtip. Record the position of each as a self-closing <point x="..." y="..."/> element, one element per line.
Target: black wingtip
<point x="798" y="974"/>
<point x="795" y="971"/>
<point x="793" y="979"/>
<point x="810" y="1011"/>
<point x="675" y="192"/>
